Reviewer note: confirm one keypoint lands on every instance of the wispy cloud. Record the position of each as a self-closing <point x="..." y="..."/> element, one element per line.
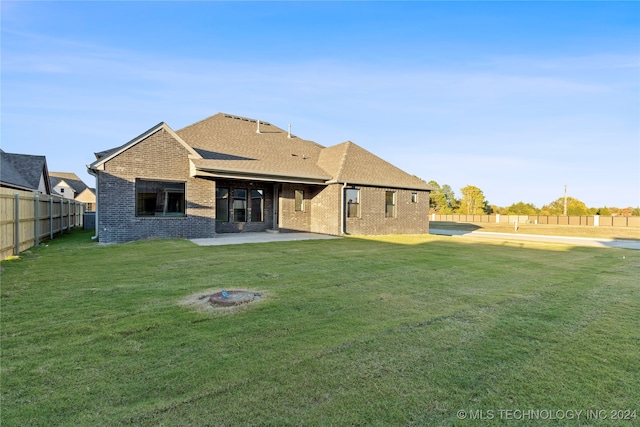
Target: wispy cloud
<point x="506" y="113"/>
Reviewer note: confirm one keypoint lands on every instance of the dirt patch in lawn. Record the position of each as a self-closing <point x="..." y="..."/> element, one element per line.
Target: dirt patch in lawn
<point x="223" y="301"/>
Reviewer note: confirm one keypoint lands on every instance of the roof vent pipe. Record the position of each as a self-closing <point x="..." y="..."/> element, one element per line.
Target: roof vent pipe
<point x="289" y="135"/>
<point x="258" y="129"/>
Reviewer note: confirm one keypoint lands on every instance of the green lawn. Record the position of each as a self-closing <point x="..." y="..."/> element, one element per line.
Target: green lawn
<point x="388" y="331"/>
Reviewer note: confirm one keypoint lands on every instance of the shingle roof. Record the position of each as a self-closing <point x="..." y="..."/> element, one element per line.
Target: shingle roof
<point x="350" y="163"/>
<point x="231" y="146"/>
<point x="22" y="170"/>
<point x="232" y="143"/>
<point x="70" y="178"/>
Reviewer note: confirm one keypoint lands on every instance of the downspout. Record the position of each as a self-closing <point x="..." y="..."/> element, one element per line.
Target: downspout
<point x="95" y="174"/>
<point x="343" y="210"/>
<point x="276" y="207"/>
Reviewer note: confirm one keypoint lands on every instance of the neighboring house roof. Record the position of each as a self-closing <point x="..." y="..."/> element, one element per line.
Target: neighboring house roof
<point x="88" y="195"/>
<point x="24" y="172"/>
<point x="231" y="146"/>
<point x="70" y="178"/>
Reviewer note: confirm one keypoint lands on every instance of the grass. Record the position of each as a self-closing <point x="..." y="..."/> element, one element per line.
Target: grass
<point x="396" y="330"/>
<point x="630" y="233"/>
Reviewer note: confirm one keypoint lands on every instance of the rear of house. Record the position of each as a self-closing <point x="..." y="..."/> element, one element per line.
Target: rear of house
<point x="229" y="174"/>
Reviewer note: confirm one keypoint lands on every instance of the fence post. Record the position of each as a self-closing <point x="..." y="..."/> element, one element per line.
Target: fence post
<point x="16" y="222"/>
<point x="61" y="216"/>
<point x="51" y="217"/>
<point x="37" y="225"/>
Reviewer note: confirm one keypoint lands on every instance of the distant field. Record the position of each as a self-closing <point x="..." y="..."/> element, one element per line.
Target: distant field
<point x="543" y="229"/>
<point x="385" y="331"/>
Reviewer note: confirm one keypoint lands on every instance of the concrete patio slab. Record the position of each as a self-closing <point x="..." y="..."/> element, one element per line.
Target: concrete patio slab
<point x="263" y="237"/>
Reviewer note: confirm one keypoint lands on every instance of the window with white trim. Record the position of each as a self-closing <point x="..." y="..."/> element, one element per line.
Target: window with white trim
<point x="352" y="196"/>
<point x="390" y="204"/>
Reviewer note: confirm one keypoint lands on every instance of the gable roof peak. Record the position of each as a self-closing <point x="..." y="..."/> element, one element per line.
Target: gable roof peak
<point x="349" y="163"/>
<point x="104" y="156"/>
<point x="70" y="178"/>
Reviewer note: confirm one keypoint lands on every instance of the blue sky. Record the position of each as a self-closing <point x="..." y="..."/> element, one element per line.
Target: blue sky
<point x="516" y="98"/>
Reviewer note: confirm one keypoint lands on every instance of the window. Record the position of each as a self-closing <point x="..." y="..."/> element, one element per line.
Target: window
<point x="353" y="203"/>
<point x="61" y="190"/>
<point x="414" y="197"/>
<point x="159" y="198"/>
<point x="222" y="204"/>
<point x="239" y="205"/>
<point x="257" y="205"/>
<point x="390" y="204"/>
<point x="299" y="195"/>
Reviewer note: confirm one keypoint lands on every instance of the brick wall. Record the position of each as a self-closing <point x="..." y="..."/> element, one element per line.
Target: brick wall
<point x="323" y="211"/>
<point x="159" y="157"/>
<point x="327" y="210"/>
<point x="290" y="219"/>
<point x="410" y="218"/>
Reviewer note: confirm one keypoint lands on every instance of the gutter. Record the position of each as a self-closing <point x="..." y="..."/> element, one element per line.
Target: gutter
<point x="95" y="174"/>
<point x="257" y="176"/>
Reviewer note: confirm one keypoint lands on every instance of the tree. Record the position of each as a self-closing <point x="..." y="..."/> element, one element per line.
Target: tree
<point x="437" y="200"/>
<point x="487" y="208"/>
<point x="522" y="208"/>
<point x="574" y="207"/>
<point x="626" y="211"/>
<point x="473" y="201"/>
<point x="442" y="199"/>
<point x="495" y="209"/>
<point x="452" y="202"/>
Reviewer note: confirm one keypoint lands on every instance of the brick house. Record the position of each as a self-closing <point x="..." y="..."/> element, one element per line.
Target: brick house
<point x="228" y="174"/>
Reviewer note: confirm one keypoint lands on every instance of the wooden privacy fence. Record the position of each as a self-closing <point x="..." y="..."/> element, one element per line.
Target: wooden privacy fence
<point x="591" y="220"/>
<point x="27" y="218"/>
